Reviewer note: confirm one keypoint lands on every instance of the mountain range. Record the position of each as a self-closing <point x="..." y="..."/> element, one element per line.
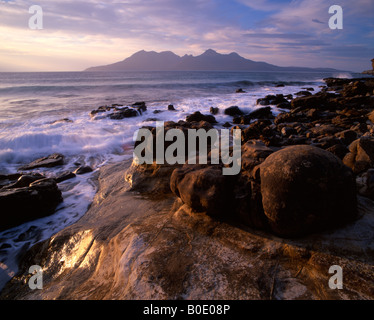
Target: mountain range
<point x="210" y="60"/>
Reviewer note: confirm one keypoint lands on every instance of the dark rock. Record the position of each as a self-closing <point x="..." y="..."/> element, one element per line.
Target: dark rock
<point x="214" y="110"/>
<point x="233" y="111"/>
<point x="261" y="113"/>
<point x="361" y="155"/>
<point x="153" y="179"/>
<point x="305" y="190"/>
<point x="325" y="129"/>
<point x="356" y="88"/>
<point x="83" y="170"/>
<point x="197" y="117"/>
<point x="257" y="130"/>
<point x="67" y="175"/>
<point x="319" y="101"/>
<point x="240" y="91"/>
<point x="157" y="111"/>
<point x="347" y="136"/>
<point x="227" y="125"/>
<point x="8" y="179"/>
<point x="171" y="107"/>
<point x="66" y="120"/>
<point x="338" y="150"/>
<point x="287" y="131"/>
<point x="24" y="181"/>
<point x="303" y="94"/>
<point x="284" y="105"/>
<point x="21" y="205"/>
<point x="272" y="100"/>
<point x="203" y="188"/>
<point x="53" y="160"/>
<point x="367" y="189"/>
<point x="254" y="152"/>
<point x="140" y="106"/>
<point x="123" y="114"/>
<point x="280" y="86"/>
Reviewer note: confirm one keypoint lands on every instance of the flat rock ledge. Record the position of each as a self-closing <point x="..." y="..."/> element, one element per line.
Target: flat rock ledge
<point x="129" y="246"/>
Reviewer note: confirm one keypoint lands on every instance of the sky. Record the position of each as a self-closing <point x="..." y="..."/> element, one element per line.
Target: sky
<point x="80" y="34"/>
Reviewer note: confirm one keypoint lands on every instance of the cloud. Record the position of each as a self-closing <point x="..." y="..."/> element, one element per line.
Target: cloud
<point x="78" y="34"/>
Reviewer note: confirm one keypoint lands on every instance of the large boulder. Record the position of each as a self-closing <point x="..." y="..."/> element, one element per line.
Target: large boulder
<point x="20" y="205"/>
<point x="203" y="188"/>
<point x="361" y="155"/>
<point x="306" y="189"/>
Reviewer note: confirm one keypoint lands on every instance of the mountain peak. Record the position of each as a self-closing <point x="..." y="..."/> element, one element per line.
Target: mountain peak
<point x="210" y="60"/>
<point x="210" y="52"/>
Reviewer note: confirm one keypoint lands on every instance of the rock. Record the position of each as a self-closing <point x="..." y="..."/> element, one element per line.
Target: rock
<point x="197" y="117"/>
<point x="260" y="113"/>
<point x="361" y="155"/>
<point x="158" y="111"/>
<point x="272" y="100"/>
<point x="121" y="114"/>
<point x="284" y="105"/>
<point x="20" y="205"/>
<point x="130" y="247"/>
<point x="280" y="85"/>
<point x="306" y="190"/>
<point x="24" y="181"/>
<point x="171" y="108"/>
<point x="65" y="120"/>
<point x="367" y="190"/>
<point x="371" y="116"/>
<point x="214" y="110"/>
<point x="203" y="188"/>
<point x="308" y="89"/>
<point x="140" y="106"/>
<point x="288" y="131"/>
<point x="227" y="125"/>
<point x="338" y="150"/>
<point x="240" y="91"/>
<point x="67" y="175"/>
<point x="53" y="160"/>
<point x="254" y="152"/>
<point x="355" y="88"/>
<point x="324" y="130"/>
<point x="303" y="94"/>
<point x="83" y="170"/>
<point x="153" y="179"/>
<point x="233" y="111"/>
<point x="8" y="179"/>
<point x="347" y="136"/>
<point x="319" y="101"/>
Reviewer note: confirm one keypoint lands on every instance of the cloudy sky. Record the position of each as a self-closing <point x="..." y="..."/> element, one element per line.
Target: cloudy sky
<point x="80" y="34"/>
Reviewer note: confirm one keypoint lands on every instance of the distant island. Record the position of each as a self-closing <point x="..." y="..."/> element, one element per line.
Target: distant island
<point x="210" y="60"/>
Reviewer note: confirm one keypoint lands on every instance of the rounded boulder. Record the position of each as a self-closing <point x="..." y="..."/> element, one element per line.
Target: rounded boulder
<point x="305" y="190"/>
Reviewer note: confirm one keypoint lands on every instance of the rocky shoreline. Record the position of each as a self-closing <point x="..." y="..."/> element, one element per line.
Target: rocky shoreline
<point x="302" y="203"/>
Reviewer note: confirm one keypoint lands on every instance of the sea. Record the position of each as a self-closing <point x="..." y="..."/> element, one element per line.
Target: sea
<point x="49" y="112"/>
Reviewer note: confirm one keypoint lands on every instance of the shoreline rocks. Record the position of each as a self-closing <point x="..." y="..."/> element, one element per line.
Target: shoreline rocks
<point x="30" y="198"/>
<point x="51" y="161"/>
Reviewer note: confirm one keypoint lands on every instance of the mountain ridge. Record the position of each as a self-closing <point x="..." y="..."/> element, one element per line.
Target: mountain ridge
<point x="210" y="60"/>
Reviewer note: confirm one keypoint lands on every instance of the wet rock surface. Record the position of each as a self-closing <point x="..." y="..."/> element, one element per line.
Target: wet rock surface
<point x="53" y="160"/>
<point x="130" y="247"/>
<point x="30" y="198"/>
